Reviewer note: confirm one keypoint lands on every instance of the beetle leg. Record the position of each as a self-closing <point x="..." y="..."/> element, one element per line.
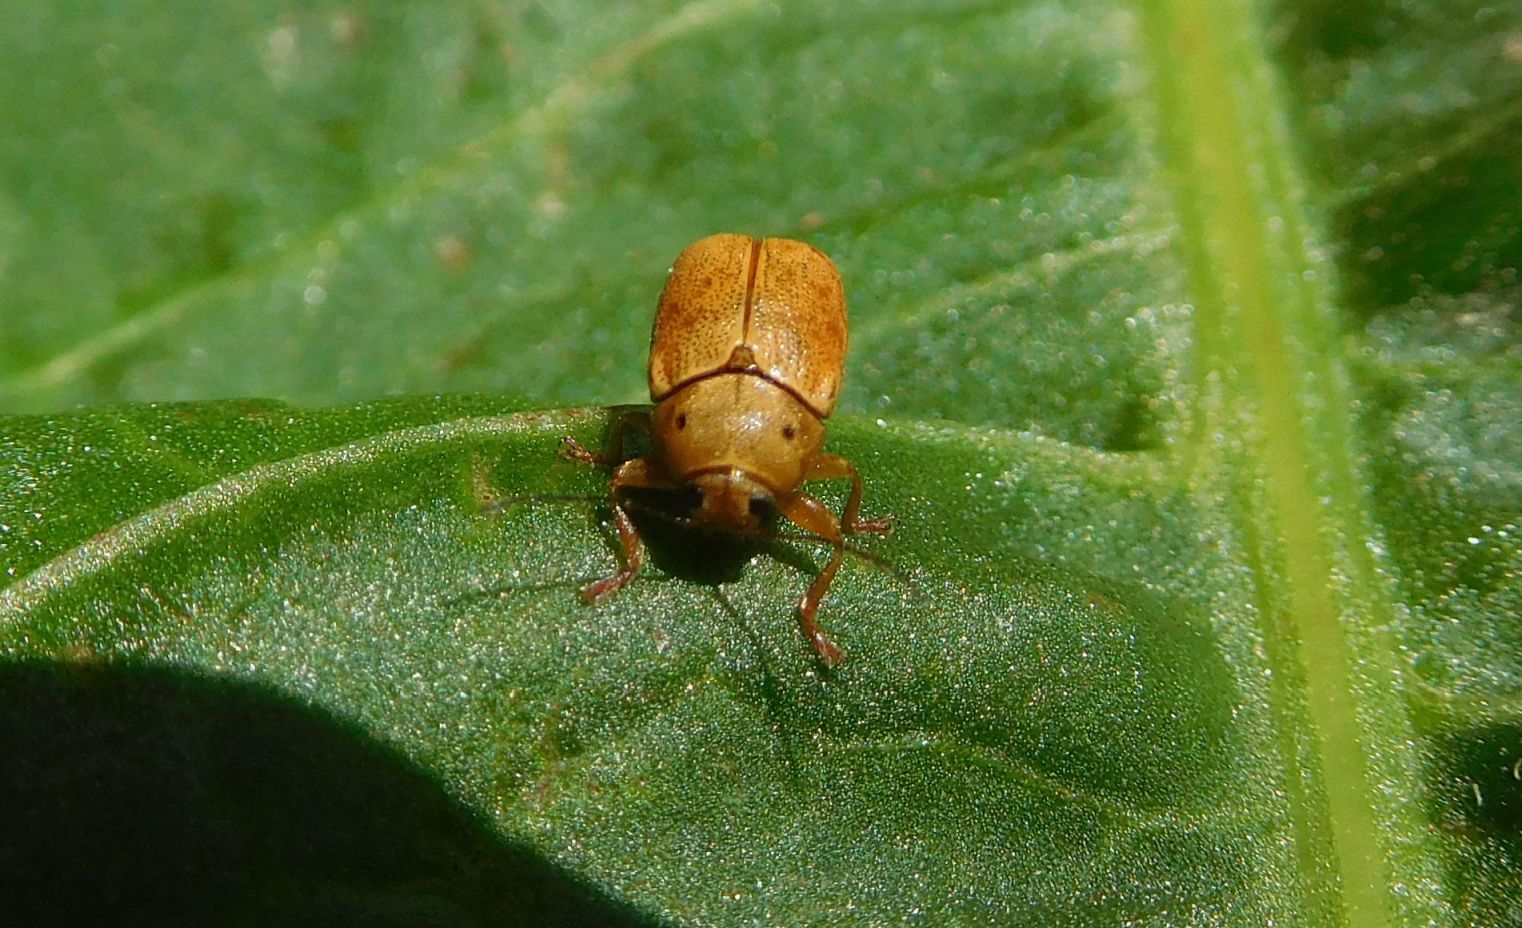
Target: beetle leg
<point x="638" y="472"/>
<point x="815" y="518"/>
<point x="835" y="467"/>
<point x="627" y="419"/>
<point x="578" y="452"/>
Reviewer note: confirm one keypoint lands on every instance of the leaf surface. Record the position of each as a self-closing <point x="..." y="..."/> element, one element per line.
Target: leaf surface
<point x="1184" y="347"/>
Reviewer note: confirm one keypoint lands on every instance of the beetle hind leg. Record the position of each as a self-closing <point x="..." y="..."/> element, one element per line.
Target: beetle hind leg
<point x="627" y="419"/>
<point x="827" y="650"/>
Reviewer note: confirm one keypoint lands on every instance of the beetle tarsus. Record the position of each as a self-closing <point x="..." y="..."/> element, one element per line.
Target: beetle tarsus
<point x="829" y="654"/>
<point x="808" y="607"/>
<point x="578" y="452"/>
<point x="877" y="525"/>
<point x="597" y="591"/>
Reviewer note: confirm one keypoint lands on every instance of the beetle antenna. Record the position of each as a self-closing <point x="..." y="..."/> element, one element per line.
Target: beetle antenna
<point x="876" y="560"/>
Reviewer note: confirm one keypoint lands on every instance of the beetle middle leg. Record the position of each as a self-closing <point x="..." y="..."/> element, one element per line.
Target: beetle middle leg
<point x="835" y="467"/>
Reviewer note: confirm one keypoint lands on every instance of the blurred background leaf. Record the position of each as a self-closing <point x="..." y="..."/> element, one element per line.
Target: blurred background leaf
<point x="1203" y="605"/>
<point x="344" y="202"/>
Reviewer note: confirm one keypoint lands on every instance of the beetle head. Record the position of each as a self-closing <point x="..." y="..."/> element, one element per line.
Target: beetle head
<point x="731" y="499"/>
<point x="740" y="441"/>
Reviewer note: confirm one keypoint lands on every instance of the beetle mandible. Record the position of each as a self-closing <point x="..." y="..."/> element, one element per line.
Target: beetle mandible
<point x="746" y="360"/>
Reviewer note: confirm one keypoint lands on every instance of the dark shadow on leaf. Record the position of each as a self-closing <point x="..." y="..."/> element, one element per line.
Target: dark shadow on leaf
<point x="1479" y="781"/>
<point x="706" y="556"/>
<point x="1476" y="779"/>
<point x="767" y="685"/>
<point x="140" y="795"/>
<point x="681" y="550"/>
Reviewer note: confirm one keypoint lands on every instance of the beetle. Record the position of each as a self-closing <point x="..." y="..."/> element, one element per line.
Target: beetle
<point x="746" y="358"/>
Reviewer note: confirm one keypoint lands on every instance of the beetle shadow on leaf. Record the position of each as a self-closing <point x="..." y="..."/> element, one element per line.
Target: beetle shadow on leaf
<point x="157" y="796"/>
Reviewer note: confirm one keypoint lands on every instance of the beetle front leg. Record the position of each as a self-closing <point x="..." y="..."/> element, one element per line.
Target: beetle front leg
<point x="816" y="518"/>
<point x="835" y="467"/>
<point x="636" y="473"/>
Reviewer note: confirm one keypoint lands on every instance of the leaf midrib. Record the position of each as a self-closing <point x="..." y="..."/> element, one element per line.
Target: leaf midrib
<point x="1268" y="356"/>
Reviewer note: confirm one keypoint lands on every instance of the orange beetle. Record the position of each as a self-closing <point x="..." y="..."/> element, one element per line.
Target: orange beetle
<point x="745" y="364"/>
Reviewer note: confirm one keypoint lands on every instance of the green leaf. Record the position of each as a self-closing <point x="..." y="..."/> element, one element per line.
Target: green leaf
<point x="373" y="579"/>
<point x="1184" y="347"/>
<point x="353" y="204"/>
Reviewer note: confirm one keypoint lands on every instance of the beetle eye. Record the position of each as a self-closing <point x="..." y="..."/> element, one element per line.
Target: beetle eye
<point x="681" y="420"/>
<point x="788" y="432"/>
<point x="761" y="506"/>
